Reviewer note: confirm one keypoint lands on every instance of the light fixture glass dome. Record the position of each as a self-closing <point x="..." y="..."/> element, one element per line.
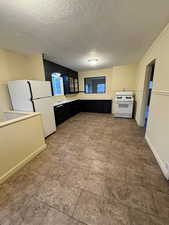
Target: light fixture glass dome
<point x="93" y="61"/>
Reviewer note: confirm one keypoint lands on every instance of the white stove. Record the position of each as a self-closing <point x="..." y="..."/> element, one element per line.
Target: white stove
<point x="123" y="104"/>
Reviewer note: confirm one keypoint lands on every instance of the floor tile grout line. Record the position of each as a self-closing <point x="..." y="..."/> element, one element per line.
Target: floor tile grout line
<point x="77" y="202"/>
<point x="57" y="210"/>
<point x="119" y="202"/>
<point x="52" y="207"/>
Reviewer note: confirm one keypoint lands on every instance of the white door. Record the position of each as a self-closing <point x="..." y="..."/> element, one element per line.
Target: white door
<point x="45" y="107"/>
<point x="40" y="89"/>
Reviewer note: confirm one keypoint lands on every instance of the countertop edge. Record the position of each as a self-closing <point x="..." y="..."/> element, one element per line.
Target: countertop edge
<point x="68" y="101"/>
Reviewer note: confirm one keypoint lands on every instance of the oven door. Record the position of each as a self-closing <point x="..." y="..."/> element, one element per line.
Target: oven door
<point x="123" y="109"/>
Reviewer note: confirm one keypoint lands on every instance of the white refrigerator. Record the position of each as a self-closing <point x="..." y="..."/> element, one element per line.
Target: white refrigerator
<point x="34" y="96"/>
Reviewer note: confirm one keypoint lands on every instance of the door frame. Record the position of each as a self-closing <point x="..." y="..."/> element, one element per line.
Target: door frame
<point x="146" y="91"/>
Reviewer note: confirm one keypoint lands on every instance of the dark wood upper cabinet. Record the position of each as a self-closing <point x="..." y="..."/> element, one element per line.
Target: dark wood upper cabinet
<point x="66" y="84"/>
<point x="76" y="84"/>
<point x="71" y="84"/>
<point x="70" y="77"/>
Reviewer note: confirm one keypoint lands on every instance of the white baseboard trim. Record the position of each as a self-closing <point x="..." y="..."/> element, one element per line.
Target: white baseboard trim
<point x="138" y="123"/>
<point x="21" y="164"/>
<point x="160" y="162"/>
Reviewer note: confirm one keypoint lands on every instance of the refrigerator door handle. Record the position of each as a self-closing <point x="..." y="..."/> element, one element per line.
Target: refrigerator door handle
<point x="31" y="99"/>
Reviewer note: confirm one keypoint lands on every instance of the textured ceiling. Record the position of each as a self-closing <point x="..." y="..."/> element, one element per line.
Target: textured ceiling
<point x="70" y="32"/>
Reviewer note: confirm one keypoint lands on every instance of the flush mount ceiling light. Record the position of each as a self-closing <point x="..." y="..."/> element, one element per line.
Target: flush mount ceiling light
<point x="93" y="61"/>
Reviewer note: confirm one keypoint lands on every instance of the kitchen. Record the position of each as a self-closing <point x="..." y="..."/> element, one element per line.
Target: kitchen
<point x="67" y="154"/>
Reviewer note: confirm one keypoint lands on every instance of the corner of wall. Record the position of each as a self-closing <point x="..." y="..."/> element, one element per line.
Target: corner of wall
<point x="161" y="163"/>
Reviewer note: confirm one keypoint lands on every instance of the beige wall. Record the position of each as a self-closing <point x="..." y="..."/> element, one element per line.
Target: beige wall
<point x="117" y="78"/>
<point x="21" y="140"/>
<point x="35" y="67"/>
<point x="158" y="123"/>
<point x="159" y="51"/>
<point x="124" y="78"/>
<point x="15" y="66"/>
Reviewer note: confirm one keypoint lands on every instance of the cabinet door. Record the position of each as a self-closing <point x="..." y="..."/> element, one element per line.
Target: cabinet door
<point x="76" y="84"/>
<point x="68" y="112"/>
<point x="66" y="84"/>
<point x="74" y="108"/>
<point x="59" y="114"/>
<point x="78" y="106"/>
<point x="71" y="85"/>
<point x="98" y="106"/>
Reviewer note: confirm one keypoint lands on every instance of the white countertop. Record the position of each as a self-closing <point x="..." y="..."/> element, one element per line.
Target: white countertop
<point x="64" y="102"/>
<point x="15" y="118"/>
<point x="67" y="101"/>
<point x="100" y="99"/>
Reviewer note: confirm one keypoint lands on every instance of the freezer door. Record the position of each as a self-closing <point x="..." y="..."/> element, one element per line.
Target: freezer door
<point x="20" y="95"/>
<point x="40" y="89"/>
<point x="45" y="107"/>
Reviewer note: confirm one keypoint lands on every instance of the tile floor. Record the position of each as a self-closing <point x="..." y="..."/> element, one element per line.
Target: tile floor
<point x="97" y="170"/>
